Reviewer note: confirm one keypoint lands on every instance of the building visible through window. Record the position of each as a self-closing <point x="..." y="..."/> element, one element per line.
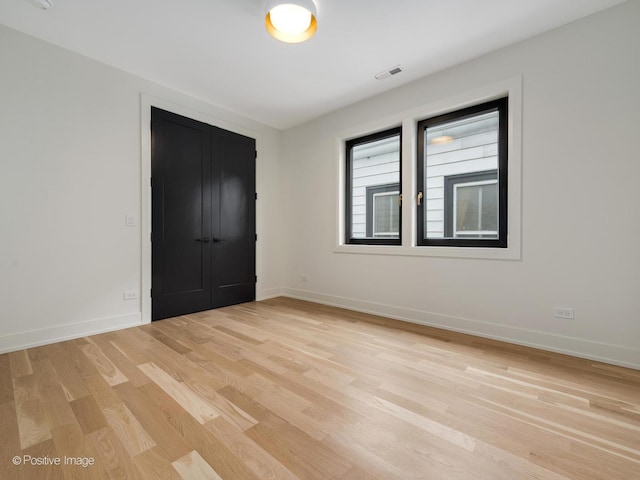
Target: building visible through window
<point x="373" y="189"/>
<point x="383" y="214"/>
<point x="462" y="168"/>
<point x="471" y="205"/>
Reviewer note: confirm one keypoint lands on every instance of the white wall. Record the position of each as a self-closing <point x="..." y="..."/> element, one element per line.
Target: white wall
<point x="70" y="169"/>
<point x="580" y="197"/>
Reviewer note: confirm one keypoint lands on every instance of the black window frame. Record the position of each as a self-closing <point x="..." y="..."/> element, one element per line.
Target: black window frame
<point x="349" y="145"/>
<point x="500" y="105"/>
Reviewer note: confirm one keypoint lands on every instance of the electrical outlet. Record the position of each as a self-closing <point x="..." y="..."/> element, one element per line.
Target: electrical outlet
<point x="130" y="295"/>
<point x="564" y="312"/>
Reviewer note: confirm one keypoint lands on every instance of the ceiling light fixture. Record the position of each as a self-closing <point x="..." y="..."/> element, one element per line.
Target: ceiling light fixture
<point x="291" y="21"/>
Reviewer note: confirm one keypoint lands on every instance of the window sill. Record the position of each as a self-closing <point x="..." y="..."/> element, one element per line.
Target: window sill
<point x="441" y="252"/>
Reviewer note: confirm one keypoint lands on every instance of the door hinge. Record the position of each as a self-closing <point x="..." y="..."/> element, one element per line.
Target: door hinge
<point x="151" y="292"/>
<point x="151" y="181"/>
<point x="256" y="279"/>
<point x="256" y="154"/>
<point x="256" y="195"/>
<point x="256" y="237"/>
<point x="150" y="237"/>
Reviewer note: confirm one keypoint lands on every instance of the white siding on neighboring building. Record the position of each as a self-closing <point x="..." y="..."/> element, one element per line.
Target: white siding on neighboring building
<point x="473" y="148"/>
<point x="376" y="163"/>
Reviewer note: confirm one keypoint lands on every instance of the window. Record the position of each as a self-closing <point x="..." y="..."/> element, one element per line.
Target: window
<point x="462" y="177"/>
<point x="373" y="189"/>
<point x="471" y="205"/>
<point x="469" y="192"/>
<point x="383" y="216"/>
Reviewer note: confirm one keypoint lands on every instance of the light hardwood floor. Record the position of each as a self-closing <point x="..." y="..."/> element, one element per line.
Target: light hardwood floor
<point x="285" y="389"/>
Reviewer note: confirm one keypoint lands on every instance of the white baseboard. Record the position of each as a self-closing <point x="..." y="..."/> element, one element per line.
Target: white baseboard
<point x="602" y="352"/>
<point x="35" y="338"/>
<point x="60" y="333"/>
<point x="269" y="293"/>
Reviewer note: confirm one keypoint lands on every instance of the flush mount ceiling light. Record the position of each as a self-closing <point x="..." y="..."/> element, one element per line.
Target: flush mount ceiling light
<point x="291" y="21"/>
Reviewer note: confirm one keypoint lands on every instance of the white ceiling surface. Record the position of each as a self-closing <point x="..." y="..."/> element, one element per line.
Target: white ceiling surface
<point x="219" y="50"/>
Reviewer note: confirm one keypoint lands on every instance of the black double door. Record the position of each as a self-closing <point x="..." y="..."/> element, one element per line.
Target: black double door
<point x="203" y="216"/>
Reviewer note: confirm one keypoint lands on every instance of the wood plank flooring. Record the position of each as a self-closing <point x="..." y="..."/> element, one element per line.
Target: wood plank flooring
<point x="289" y="390"/>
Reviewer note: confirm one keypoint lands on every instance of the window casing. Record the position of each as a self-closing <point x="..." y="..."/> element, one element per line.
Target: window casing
<point x="373" y="189"/>
<point x="462" y="177"/>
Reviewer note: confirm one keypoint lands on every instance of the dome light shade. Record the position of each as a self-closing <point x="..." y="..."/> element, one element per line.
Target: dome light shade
<point x="291" y="21"/>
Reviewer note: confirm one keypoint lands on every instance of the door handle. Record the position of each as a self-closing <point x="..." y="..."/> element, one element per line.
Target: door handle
<point x="203" y="239"/>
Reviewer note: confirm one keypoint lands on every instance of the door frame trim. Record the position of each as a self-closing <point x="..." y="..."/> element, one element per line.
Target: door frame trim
<point x="146" y="102"/>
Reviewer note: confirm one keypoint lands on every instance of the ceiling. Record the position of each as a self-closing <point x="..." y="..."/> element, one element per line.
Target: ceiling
<point x="219" y="50"/>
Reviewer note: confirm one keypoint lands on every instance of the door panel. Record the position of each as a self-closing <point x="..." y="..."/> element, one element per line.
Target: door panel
<point x="234" y="180"/>
<point x="187" y="209"/>
<point x="181" y="215"/>
<point x="203" y="216"/>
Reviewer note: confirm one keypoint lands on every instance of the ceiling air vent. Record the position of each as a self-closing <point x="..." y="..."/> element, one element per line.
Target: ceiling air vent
<point x="396" y="69"/>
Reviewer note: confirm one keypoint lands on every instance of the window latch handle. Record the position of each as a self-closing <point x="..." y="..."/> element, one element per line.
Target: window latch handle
<point x="420" y="198"/>
<point x="400" y="200"/>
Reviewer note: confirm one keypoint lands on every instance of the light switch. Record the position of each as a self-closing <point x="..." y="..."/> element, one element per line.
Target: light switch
<point x="130" y="220"/>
